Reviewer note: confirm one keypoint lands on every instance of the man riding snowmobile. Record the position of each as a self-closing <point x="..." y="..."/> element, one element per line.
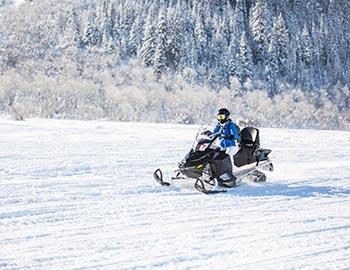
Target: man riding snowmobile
<point x="218" y="161"/>
<point x="227" y="133"/>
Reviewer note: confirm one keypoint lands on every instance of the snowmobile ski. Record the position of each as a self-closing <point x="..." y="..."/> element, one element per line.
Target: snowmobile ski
<point x="199" y="185"/>
<point x="158" y="176"/>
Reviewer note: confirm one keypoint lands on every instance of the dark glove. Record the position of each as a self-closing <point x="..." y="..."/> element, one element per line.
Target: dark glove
<point x="230" y="137"/>
<point x="206" y="133"/>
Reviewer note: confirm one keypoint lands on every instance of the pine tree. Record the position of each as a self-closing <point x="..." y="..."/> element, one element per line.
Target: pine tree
<point x="77" y="30"/>
<point x="160" y="53"/>
<point x="174" y="42"/>
<point x="279" y="43"/>
<point x="335" y="70"/>
<point x="125" y="24"/>
<point x="246" y="61"/>
<point x="200" y="41"/>
<point x="316" y="44"/>
<point x="114" y="29"/>
<point x="149" y="41"/>
<point x="93" y="36"/>
<point x="272" y="69"/>
<point x="219" y="62"/>
<point x="324" y="48"/>
<point x="185" y="22"/>
<point x="258" y="28"/>
<point x="134" y="40"/>
<point x="103" y="16"/>
<point x="225" y="26"/>
<point x="240" y="18"/>
<point x="232" y="61"/>
<point x="125" y="20"/>
<point x="306" y="48"/>
<point x="109" y="22"/>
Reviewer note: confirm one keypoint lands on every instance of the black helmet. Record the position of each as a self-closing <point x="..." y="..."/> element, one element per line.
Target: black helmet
<point x="223" y="115"/>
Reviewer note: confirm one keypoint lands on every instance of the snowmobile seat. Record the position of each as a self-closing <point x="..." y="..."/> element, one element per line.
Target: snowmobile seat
<point x="250" y="137"/>
<point x="249" y="144"/>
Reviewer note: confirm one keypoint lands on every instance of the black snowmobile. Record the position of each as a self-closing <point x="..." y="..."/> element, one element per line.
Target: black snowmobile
<point x="211" y="168"/>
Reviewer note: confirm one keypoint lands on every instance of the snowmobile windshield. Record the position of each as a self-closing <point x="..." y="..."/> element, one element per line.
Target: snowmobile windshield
<point x="203" y="141"/>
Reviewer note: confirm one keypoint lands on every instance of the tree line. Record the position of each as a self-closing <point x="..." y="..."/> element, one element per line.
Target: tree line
<point x="217" y="44"/>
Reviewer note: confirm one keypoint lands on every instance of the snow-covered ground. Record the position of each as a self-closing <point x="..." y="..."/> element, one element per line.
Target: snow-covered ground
<point x="5" y="5"/>
<point x="80" y="195"/>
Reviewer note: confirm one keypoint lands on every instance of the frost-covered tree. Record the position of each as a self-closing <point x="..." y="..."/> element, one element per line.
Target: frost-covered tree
<point x="307" y="55"/>
<point x="246" y="60"/>
<point x="136" y="34"/>
<point x="200" y="37"/>
<point x="259" y="30"/>
<point x="280" y="44"/>
<point x="110" y="21"/>
<point x="149" y="44"/>
<point x="174" y="42"/>
<point x="306" y="48"/>
<point x="219" y="59"/>
<point x="160" y="55"/>
<point x="93" y="35"/>
<point x="240" y="18"/>
<point x="232" y="64"/>
<point x="77" y="30"/>
<point x="272" y="69"/>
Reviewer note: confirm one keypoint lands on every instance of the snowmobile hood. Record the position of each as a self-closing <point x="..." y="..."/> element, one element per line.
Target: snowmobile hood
<point x="195" y="158"/>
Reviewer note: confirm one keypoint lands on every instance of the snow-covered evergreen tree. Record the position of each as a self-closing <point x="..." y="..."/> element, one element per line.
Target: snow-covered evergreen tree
<point x="135" y="37"/>
<point x="258" y="27"/>
<point x="200" y="37"/>
<point x="93" y="35"/>
<point x="246" y="60"/>
<point x="272" y="67"/>
<point x="240" y="18"/>
<point x="306" y="48"/>
<point x="280" y="44"/>
<point x="232" y="58"/>
<point x="160" y="55"/>
<point x="174" y="50"/>
<point x="110" y="20"/>
<point x="149" y="44"/>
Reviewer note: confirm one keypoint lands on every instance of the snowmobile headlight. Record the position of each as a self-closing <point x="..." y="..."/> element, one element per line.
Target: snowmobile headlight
<point x="202" y="147"/>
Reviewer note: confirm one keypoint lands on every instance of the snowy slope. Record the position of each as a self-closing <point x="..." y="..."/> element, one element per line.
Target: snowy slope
<point x="80" y="195"/>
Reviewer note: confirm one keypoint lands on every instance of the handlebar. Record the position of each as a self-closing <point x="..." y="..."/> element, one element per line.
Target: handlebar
<point x="213" y="140"/>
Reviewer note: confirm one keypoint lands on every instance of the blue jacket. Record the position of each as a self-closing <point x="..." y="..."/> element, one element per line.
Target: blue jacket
<point x="228" y="134"/>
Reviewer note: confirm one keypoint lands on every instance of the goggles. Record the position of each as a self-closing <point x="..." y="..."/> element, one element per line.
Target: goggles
<point x="221" y="117"/>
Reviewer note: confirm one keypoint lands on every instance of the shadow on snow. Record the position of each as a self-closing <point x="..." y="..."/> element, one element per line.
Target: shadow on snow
<point x="273" y="189"/>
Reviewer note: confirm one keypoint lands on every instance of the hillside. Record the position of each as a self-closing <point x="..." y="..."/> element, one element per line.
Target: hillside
<point x="160" y="61"/>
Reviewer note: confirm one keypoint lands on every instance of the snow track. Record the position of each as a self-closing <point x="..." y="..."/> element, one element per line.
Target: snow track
<point x="80" y="195"/>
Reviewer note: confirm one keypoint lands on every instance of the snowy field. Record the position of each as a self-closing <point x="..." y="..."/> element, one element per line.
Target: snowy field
<point x="80" y="195"/>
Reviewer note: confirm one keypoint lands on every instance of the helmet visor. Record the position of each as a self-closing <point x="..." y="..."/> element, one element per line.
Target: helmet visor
<point x="221" y="117"/>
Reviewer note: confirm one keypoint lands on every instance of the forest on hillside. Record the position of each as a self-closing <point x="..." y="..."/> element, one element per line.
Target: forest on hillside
<point x="273" y="63"/>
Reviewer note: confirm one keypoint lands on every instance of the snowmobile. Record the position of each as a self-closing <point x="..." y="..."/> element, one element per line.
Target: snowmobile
<point x="211" y="168"/>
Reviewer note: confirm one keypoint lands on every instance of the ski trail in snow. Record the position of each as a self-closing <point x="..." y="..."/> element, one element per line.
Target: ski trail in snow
<point x="80" y="195"/>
